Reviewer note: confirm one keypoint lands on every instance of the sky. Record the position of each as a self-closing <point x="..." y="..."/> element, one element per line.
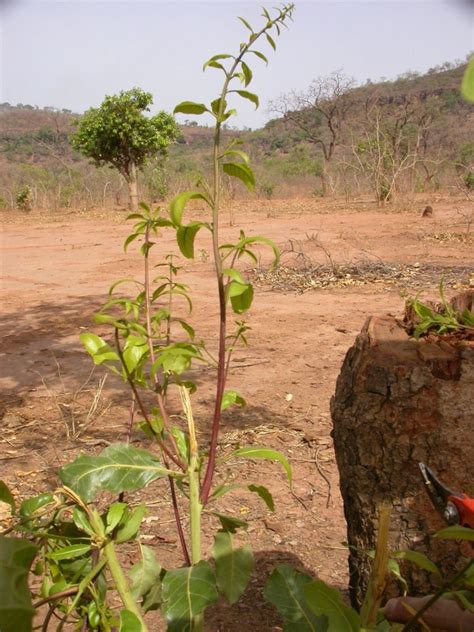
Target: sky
<point x="71" y="53"/>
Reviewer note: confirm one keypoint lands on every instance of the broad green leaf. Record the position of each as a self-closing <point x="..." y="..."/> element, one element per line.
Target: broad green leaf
<point x="189" y="107"/>
<point x="175" y="358"/>
<point x="114" y="515"/>
<point x="285" y="590"/>
<point x="327" y="602"/>
<point x="247" y="73"/>
<point x="187" y="592"/>
<point x="145" y="575"/>
<point x="417" y="558"/>
<point x="254" y="452"/>
<point x="242" y="172"/>
<point x="120" y="467"/>
<point x="6" y="496"/>
<point x="467" y="86"/>
<point x="239" y="153"/>
<point x="129" y="622"/>
<point x="136" y="347"/>
<point x="31" y="505"/>
<point x="264" y="494"/>
<point x="81" y="521"/>
<point x="241" y="296"/>
<point x="182" y="443"/>
<point x="250" y="96"/>
<point x="97" y="348"/>
<point x="16" y="610"/>
<point x="230" y="523"/>
<point x="130" y="524"/>
<point x="233" y="566"/>
<point x="179" y="202"/>
<point x="69" y="552"/>
<point x="185" y="236"/>
<point x="216" y="58"/>
<point x="218" y="105"/>
<point x="456" y="532"/>
<point x="231" y="398"/>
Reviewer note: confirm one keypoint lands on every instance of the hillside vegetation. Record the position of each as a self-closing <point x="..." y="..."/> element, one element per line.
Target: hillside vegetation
<point x="389" y="138"/>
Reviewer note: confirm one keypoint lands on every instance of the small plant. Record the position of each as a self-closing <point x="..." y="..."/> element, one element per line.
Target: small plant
<point x="267" y="189"/>
<point x="75" y="533"/>
<point x="422" y="318"/>
<point x="24" y="199"/>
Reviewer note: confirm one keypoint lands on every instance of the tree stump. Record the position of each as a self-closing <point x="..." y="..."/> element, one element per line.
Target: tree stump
<point x="400" y="401"/>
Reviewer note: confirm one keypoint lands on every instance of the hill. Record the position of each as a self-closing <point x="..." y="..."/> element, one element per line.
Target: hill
<point x="417" y="124"/>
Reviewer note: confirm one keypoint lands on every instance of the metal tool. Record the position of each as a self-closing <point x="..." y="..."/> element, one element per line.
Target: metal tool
<point x="453" y="506"/>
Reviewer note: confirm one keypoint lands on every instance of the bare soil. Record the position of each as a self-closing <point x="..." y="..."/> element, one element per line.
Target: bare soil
<point x="56" y="272"/>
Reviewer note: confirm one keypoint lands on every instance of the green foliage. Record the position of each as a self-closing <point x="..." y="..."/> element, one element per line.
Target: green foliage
<point x="16" y="610"/>
<point x="442" y="320"/>
<point x="233" y="566"/>
<point x="24" y="199"/>
<point x="469" y="180"/>
<point x="467" y="87"/>
<point x="120" y="135"/>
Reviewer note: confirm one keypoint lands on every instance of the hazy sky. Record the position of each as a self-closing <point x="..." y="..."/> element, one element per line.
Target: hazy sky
<point x="70" y="53"/>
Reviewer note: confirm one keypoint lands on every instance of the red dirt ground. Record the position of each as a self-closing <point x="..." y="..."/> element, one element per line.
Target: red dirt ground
<point x="56" y="272"/>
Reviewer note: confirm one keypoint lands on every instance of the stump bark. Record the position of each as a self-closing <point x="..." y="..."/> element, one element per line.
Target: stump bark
<point x="399" y="401"/>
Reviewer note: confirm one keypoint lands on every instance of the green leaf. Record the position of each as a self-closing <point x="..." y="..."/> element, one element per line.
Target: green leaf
<point x="456" y="532"/>
<point x="136" y="347"/>
<point x="97" y="348"/>
<point x="237" y="152"/>
<point x="259" y="55"/>
<point x="6" y="496"/>
<point x="120" y="467"/>
<point x="129" y="622"/>
<point x="230" y="523"/>
<point x="264" y="494"/>
<point x="69" y="552"/>
<point x="187" y="592"/>
<point x="327" y="602"/>
<point x="182" y="443"/>
<point x="242" y="172"/>
<point x="241" y="296"/>
<point x="271" y="41"/>
<point x="189" y="107"/>
<point x="467" y="86"/>
<point x="179" y="202"/>
<point x="130" y="524"/>
<point x="233" y="566"/>
<point x="185" y="236"/>
<point x="129" y="240"/>
<point x="145" y="575"/>
<point x="417" y="558"/>
<point x="31" y="505"/>
<point x="175" y="358"/>
<point x="79" y="517"/>
<point x="246" y="24"/>
<point x="250" y="96"/>
<point x="232" y="398"/>
<point x="247" y="73"/>
<point x="285" y="590"/>
<point x="114" y="515"/>
<point x="16" y="610"/>
<point x="254" y="452"/>
<point x="216" y="58"/>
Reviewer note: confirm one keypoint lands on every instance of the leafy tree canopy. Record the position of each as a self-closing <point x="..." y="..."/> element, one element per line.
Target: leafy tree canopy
<point x="119" y="134"/>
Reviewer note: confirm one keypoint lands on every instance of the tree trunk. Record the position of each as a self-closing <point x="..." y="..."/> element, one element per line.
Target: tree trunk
<point x="400" y="401"/>
<point x="132" y="182"/>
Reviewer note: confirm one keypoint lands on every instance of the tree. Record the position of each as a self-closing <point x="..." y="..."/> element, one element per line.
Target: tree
<point x="319" y="113"/>
<point x="394" y="141"/>
<point x="118" y="134"/>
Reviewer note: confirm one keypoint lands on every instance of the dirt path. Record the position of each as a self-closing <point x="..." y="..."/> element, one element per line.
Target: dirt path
<point x="56" y="274"/>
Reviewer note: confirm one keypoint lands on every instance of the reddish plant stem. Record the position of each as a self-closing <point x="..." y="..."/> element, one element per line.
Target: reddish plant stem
<point x="163" y="447"/>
